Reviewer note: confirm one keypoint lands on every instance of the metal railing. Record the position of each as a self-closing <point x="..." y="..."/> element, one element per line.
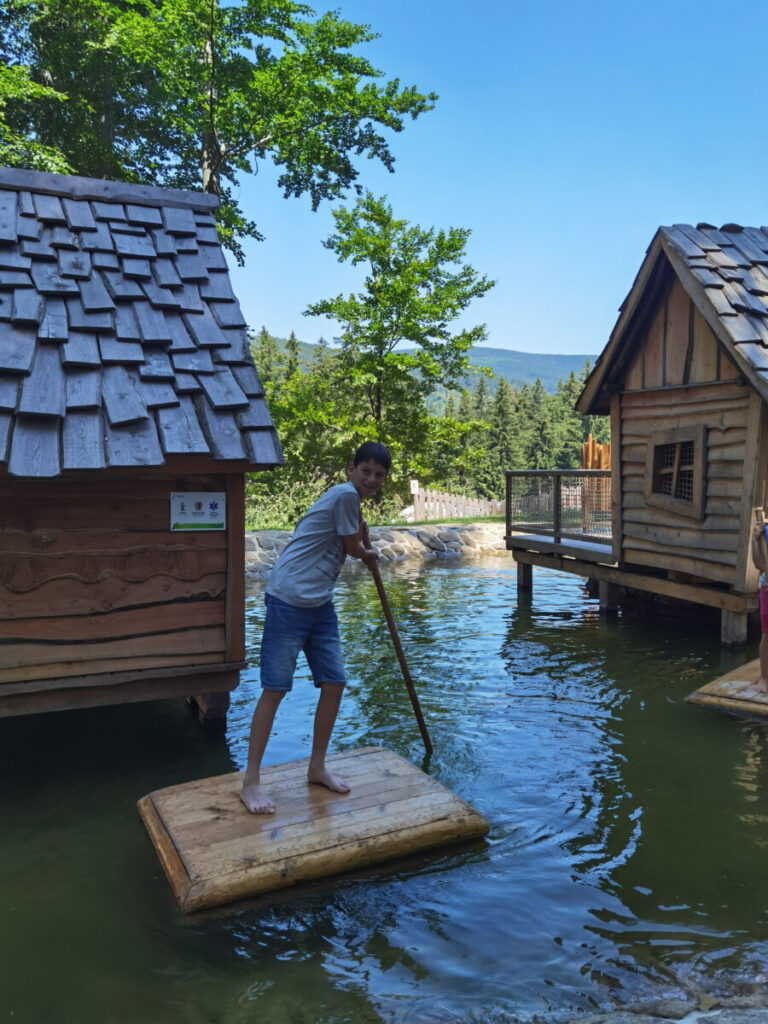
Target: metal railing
<point x="568" y="503"/>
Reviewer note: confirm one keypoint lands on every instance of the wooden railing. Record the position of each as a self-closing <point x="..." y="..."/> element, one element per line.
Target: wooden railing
<point x="572" y="503"/>
<point x="437" y="505"/>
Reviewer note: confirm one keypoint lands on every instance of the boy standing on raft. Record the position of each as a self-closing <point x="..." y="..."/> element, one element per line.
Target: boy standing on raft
<point x="300" y="616"/>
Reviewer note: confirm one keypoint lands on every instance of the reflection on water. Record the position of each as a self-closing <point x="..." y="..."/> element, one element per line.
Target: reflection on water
<point x="625" y="860"/>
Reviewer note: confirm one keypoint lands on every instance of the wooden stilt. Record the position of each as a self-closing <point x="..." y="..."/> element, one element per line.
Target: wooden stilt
<point x="524" y="576"/>
<point x="733" y="628"/>
<point x="211" y="707"/>
<point x="608" y="595"/>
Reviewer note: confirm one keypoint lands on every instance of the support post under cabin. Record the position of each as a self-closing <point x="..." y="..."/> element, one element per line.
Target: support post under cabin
<point x="733" y="628"/>
<point x="524" y="576"/>
<point x="608" y="595"/>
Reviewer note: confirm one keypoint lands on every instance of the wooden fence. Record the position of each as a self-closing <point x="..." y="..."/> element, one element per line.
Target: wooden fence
<point x="436" y="505"/>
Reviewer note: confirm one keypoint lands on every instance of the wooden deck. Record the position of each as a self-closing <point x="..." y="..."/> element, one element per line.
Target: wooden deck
<point x="735" y="691"/>
<point x="214" y="851"/>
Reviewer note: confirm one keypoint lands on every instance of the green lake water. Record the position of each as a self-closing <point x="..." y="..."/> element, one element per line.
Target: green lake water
<point x="627" y="856"/>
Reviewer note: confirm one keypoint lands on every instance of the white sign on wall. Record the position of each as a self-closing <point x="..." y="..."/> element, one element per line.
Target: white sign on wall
<point x="198" y="510"/>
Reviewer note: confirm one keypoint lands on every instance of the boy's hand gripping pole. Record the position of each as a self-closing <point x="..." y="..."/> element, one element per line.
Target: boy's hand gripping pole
<point x="401" y="656"/>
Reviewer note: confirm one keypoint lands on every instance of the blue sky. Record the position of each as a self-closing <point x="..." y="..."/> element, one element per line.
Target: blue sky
<point x="564" y="135"/>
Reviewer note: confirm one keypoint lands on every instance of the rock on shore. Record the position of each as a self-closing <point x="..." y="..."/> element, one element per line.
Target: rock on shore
<point x="393" y="543"/>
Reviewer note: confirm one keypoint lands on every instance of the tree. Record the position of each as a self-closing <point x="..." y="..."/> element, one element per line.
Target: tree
<point x="17" y="149"/>
<point x="193" y="93"/>
<point x="417" y="283"/>
<point x="292" y="356"/>
<point x="268" y="359"/>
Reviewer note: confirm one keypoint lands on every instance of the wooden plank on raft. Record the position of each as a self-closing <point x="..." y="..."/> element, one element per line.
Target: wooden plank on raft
<point x="214" y="851"/>
<point x="735" y="691"/>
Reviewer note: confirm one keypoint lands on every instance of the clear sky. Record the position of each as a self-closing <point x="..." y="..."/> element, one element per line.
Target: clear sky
<point x="566" y="132"/>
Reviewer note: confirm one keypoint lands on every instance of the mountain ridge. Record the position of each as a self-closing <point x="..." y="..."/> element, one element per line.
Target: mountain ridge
<point x="517" y="367"/>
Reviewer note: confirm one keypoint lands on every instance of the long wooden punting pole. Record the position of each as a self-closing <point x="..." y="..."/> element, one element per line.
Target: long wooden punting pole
<point x="401" y="657"/>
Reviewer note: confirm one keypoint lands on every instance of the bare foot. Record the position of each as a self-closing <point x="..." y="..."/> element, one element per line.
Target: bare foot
<point x="761" y="685"/>
<point x="255" y="799"/>
<point x="328" y="779"/>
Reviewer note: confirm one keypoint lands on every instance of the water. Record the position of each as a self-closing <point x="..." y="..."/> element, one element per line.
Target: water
<point x="626" y="858"/>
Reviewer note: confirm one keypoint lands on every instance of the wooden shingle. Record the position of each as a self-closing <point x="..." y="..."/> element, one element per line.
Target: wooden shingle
<point x="80" y="349"/>
<point x="35" y="447"/>
<point x="43" y="391"/>
<point x="8" y="217"/>
<point x="180" y="431"/>
<point x="122" y="402"/>
<point x="83" y="389"/>
<point x="83" y="440"/>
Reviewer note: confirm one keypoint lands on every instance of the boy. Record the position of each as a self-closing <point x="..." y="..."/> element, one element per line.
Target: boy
<point x="301" y="616"/>
<point x="760" y="559"/>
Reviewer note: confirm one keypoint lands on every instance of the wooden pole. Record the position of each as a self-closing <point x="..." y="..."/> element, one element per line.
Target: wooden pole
<point x="401" y="656"/>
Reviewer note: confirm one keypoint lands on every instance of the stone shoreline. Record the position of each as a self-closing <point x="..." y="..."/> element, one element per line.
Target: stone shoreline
<point x="393" y="543"/>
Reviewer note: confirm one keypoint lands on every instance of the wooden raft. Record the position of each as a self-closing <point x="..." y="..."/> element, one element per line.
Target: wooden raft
<point x="214" y="851"/>
<point x="735" y="691"/>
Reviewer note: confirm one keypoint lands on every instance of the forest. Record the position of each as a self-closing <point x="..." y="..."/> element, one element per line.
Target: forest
<point x="463" y="442"/>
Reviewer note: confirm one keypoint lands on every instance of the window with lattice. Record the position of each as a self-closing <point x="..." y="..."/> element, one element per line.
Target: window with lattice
<point x="674" y="476"/>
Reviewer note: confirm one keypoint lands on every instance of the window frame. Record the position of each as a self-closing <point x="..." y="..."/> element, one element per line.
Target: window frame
<point x="678" y="437"/>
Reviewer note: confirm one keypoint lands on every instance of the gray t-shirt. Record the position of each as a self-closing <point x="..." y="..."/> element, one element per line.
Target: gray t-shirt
<point x="305" y="573"/>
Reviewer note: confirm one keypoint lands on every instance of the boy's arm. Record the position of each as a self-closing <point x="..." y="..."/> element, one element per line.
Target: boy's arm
<point x="354" y="546"/>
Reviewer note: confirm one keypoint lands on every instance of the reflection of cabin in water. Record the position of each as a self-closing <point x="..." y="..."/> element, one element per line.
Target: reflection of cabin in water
<point x="125" y="377"/>
<point x="684" y="378"/>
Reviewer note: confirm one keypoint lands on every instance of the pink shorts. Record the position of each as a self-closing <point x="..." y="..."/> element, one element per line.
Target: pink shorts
<point x="763" y="599"/>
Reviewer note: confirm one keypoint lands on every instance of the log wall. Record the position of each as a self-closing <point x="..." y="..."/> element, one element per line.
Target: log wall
<point x="92" y="581"/>
<point x="680" y="378"/>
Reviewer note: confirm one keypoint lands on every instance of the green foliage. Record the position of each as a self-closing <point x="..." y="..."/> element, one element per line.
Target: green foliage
<point x="17" y="148"/>
<point x="417" y="283"/>
<point x="321" y="418"/>
<point x="194" y="93"/>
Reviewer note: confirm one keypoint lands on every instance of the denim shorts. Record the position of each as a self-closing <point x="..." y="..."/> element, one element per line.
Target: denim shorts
<point x="288" y="630"/>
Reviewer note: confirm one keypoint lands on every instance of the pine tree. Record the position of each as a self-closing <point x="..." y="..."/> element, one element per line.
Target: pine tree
<point x="268" y="358"/>
<point x="481" y="399"/>
<point x="292" y="354"/>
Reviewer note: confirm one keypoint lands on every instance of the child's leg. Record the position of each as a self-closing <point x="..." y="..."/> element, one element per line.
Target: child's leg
<point x="325" y="718"/>
<point x="323" y="653"/>
<point x="762" y="684"/>
<point x="252" y="795"/>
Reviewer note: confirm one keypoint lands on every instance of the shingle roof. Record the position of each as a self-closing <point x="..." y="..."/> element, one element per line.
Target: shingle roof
<point x="121" y="340"/>
<point x="731" y="264"/>
<point x="725" y="271"/>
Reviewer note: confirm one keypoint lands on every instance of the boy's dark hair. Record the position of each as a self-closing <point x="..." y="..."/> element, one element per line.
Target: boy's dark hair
<point x="375" y="451"/>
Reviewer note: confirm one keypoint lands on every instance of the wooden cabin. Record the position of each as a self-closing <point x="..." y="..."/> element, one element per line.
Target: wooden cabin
<point x="684" y="378"/>
<point x="130" y="410"/>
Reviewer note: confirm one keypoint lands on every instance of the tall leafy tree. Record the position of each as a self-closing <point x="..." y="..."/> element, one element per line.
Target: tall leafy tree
<point x="195" y="93"/>
<point x="417" y="283"/>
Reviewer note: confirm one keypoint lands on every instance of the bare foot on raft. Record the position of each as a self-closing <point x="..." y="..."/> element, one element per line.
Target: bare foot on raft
<point x="256" y="800"/>
<point x="328" y="779"/>
<point x="761" y="686"/>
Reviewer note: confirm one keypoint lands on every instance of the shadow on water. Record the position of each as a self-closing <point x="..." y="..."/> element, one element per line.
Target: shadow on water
<point x="625" y="855"/>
